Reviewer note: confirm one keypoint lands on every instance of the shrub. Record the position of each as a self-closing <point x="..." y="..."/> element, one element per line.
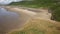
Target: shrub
<point x="55" y="12"/>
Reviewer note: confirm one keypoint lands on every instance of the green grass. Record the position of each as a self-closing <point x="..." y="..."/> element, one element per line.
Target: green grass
<point x="30" y="31"/>
<point x="34" y="4"/>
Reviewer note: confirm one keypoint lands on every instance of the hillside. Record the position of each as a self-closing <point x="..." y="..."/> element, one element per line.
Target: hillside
<point x="34" y="17"/>
<point x="38" y="22"/>
<point x="38" y="26"/>
<point x="34" y="4"/>
<point x="53" y="5"/>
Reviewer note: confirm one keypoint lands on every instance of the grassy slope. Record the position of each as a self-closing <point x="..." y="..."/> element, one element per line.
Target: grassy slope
<point x="38" y="26"/>
<point x="35" y="3"/>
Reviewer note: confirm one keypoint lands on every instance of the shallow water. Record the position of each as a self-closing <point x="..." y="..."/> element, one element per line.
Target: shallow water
<point x="8" y="21"/>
